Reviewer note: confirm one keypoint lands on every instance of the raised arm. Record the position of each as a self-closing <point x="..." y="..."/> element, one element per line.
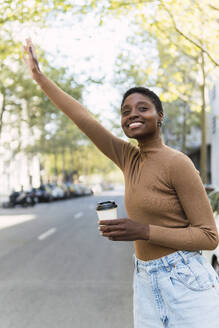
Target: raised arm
<point x="113" y="147"/>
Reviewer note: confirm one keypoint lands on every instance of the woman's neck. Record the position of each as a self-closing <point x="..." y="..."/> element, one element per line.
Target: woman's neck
<point x="150" y="143"/>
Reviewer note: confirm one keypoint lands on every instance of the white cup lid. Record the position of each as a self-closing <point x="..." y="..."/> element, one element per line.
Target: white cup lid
<point x="107" y="205"/>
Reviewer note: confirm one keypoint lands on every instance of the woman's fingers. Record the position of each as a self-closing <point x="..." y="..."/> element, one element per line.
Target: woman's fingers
<point x="28" y="42"/>
<point x="114" y="234"/>
<point x="25" y="59"/>
<point x="111" y="222"/>
<point x="27" y="50"/>
<point x="118" y="238"/>
<point x="27" y="46"/>
<point x="32" y="52"/>
<point x="111" y="228"/>
<point x="31" y="59"/>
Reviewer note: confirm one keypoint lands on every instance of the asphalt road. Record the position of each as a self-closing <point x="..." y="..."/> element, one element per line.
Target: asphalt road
<point x="56" y="270"/>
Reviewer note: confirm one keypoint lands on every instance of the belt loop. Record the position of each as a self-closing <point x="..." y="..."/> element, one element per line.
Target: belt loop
<point x="136" y="263"/>
<point x="184" y="257"/>
<point x="165" y="263"/>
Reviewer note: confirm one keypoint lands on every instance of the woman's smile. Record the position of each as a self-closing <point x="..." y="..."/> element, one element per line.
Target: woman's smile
<point x="135" y="125"/>
<point x="139" y="117"/>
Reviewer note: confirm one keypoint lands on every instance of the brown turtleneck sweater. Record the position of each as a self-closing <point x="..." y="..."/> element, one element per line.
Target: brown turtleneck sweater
<point x="162" y="186"/>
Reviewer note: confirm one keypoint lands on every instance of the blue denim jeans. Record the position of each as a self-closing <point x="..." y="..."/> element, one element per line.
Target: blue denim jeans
<point x="179" y="290"/>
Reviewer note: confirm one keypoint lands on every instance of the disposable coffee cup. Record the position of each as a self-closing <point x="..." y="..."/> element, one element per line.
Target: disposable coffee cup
<point x="106" y="210"/>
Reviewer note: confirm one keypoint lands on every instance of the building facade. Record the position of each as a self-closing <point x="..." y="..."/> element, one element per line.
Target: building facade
<point x="214" y="99"/>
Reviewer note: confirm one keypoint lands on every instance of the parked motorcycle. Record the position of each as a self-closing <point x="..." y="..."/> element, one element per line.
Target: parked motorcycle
<point x="22" y="198"/>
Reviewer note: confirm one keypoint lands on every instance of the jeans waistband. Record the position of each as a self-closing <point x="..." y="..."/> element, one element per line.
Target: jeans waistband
<point x="167" y="260"/>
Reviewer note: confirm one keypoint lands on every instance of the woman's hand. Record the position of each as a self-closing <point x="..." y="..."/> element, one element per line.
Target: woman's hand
<point x="123" y="230"/>
<point x="31" y="59"/>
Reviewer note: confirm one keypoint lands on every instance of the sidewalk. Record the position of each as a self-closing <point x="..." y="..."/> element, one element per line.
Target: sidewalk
<point x="3" y="198"/>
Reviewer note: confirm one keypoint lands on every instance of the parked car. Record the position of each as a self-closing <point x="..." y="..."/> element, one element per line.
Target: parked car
<point x="44" y="193"/>
<point x="56" y="191"/>
<point x="33" y="195"/>
<point x="89" y="191"/>
<point x="209" y="188"/>
<point x="71" y="189"/>
<point x="213" y="256"/>
<point x="214" y="200"/>
<point x="107" y="186"/>
<point x="86" y="191"/>
<point x="67" y="190"/>
<point x="96" y="188"/>
<point x="78" y="190"/>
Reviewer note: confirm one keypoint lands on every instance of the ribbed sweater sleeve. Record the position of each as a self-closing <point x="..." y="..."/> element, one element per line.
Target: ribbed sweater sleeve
<point x="201" y="232"/>
<point x="115" y="148"/>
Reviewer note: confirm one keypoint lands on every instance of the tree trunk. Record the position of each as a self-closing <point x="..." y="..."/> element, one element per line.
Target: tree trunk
<point x="184" y="129"/>
<point x="55" y="165"/>
<point x="71" y="164"/>
<point x="203" y="159"/>
<point x="63" y="165"/>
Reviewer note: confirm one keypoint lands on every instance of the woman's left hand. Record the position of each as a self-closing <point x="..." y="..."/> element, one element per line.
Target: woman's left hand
<point x="124" y="230"/>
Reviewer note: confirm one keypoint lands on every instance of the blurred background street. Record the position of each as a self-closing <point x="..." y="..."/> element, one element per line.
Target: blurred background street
<point x="57" y="271"/>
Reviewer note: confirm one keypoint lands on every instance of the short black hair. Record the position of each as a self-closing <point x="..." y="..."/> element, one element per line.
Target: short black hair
<point x="145" y="92"/>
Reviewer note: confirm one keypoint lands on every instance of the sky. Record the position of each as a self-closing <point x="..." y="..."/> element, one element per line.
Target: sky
<point x="86" y="49"/>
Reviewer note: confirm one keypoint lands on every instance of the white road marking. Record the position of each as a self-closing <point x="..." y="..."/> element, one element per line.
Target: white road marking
<point x="11" y="220"/>
<point x="78" y="215"/>
<point x="47" y="234"/>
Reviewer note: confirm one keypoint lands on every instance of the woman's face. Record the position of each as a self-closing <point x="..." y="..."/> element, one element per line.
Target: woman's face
<point x="139" y="117"/>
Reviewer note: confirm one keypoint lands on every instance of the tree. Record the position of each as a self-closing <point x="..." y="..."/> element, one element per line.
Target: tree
<point x="22" y="104"/>
<point x="63" y="147"/>
<point x="201" y="17"/>
<point x="14" y="16"/>
<point x="165" y="76"/>
<point x="186" y="29"/>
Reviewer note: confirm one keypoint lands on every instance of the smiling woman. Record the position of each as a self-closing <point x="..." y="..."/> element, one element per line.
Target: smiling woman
<point x="141" y="113"/>
<point x="169" y="216"/>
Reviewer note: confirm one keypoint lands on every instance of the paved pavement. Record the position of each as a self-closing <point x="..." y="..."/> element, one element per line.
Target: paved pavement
<point x="57" y="271"/>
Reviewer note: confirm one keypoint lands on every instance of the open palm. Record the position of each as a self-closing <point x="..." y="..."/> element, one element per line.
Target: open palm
<point x="31" y="59"/>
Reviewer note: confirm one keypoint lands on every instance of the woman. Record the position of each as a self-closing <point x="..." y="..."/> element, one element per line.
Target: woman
<point x="170" y="218"/>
